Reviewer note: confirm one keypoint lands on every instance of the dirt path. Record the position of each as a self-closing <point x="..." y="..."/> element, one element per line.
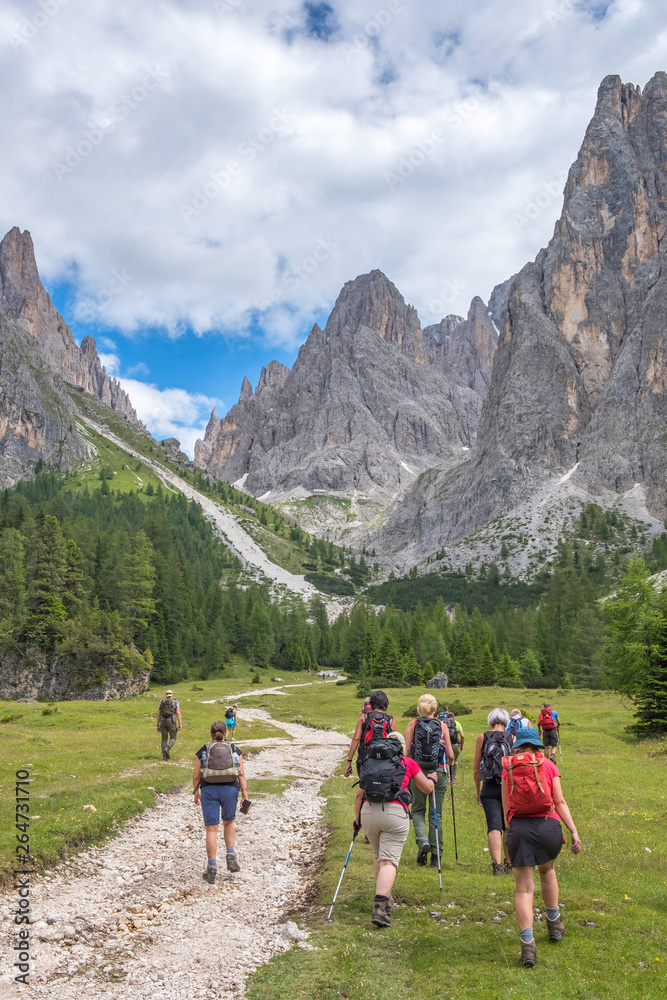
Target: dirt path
<point x="133" y="919"/>
<point x="239" y="541"/>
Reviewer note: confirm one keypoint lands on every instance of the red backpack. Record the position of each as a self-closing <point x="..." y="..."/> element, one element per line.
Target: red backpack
<point x="376" y="726"/>
<point x="547" y="719"/>
<point x="526" y="795"/>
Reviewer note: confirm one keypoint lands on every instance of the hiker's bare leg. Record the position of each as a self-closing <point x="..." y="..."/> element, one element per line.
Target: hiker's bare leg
<point x="229" y="832"/>
<point x="385" y="873"/>
<point x="495" y="846"/>
<point x="548" y="884"/>
<point x="524" y="880"/>
<point x="211" y="842"/>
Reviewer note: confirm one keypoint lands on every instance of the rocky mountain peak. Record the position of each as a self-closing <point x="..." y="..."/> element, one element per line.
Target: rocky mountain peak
<point x="24" y="299"/>
<point x="246" y="389"/>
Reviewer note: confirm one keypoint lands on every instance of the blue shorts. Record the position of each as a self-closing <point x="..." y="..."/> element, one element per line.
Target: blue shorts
<point x="218" y="802"/>
<point x="231" y="724"/>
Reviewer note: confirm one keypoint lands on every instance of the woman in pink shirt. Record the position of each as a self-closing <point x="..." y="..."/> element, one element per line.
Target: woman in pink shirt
<point x="534" y="839"/>
<point x="387" y="824"/>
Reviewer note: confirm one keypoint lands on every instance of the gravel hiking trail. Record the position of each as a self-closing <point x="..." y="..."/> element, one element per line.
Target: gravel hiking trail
<point x="134" y="919"/>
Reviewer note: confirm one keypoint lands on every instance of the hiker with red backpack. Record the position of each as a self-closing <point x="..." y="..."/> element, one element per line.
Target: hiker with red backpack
<point x="491" y="747"/>
<point x="427" y="742"/>
<point x="370" y="725"/>
<point x="548" y="725"/>
<point x="382" y="808"/>
<point x="533" y="806"/>
<point x="217" y="777"/>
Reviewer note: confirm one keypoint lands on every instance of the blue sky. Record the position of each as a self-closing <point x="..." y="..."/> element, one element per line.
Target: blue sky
<point x="200" y="177"/>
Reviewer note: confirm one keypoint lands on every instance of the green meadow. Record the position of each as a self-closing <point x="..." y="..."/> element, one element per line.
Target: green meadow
<point x="105" y="754"/>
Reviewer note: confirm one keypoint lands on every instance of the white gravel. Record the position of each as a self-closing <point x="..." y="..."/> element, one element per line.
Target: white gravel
<point x="133" y="919"/>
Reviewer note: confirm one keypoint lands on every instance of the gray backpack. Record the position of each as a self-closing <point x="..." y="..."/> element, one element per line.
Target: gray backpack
<point x="167" y="709"/>
<point x="220" y="766"/>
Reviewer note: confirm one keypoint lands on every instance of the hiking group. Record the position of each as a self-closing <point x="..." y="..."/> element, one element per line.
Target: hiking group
<point x="517" y="784"/>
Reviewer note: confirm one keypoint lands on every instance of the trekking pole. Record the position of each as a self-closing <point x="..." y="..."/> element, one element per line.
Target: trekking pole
<point x="343" y="872"/>
<point x="559" y="748"/>
<point x="437" y="838"/>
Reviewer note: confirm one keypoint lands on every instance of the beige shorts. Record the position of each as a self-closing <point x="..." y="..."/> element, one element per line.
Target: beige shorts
<point x="386" y="829"/>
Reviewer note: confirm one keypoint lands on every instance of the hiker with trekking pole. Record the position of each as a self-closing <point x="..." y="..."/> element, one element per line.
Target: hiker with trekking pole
<point x="427" y="742"/>
<point x="381" y="808"/>
<point x="548" y="726"/>
<point x="217" y="777"/>
<point x="491" y="747"/>
<point x="533" y="806"/>
<point x="373" y="713"/>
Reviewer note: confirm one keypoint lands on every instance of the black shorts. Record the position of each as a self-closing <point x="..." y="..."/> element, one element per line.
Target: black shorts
<point x="550" y="737"/>
<point x="533" y="840"/>
<point x="492" y="799"/>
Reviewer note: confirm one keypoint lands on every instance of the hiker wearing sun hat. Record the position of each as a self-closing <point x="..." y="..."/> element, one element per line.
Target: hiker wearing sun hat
<point x="533" y="806"/>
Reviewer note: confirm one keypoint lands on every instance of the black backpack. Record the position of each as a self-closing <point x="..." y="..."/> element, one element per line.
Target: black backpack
<point x="382" y="772"/>
<point x="496" y="745"/>
<point x="453" y="731"/>
<point x="167" y="709"/>
<point x="376" y="726"/>
<point x="426" y="743"/>
<point x="229" y="714"/>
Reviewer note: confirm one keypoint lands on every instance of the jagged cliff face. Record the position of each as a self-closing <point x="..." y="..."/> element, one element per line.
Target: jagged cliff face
<point x="371" y="401"/>
<point x="24" y="298"/>
<point x="579" y="378"/>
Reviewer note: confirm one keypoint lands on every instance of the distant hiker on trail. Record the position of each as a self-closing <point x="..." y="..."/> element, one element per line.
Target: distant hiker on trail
<point x="548" y="725"/>
<point x="381" y="807"/>
<point x="230" y="722"/>
<point x="532" y="804"/>
<point x="168" y="715"/>
<point x="491" y="747"/>
<point x="370" y="725"/>
<point x="517" y="721"/>
<point x="427" y="742"/>
<point x="456" y="737"/>
<point x="216" y="779"/>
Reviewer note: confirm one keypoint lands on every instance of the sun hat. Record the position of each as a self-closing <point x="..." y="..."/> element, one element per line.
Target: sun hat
<point x="527" y="735"/>
<point x="397" y="736"/>
<point x="167" y="693"/>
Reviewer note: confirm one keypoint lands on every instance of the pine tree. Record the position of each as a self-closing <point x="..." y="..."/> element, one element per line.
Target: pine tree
<point x="412" y="672"/>
<point x="488" y="673"/>
<point x="464" y="662"/>
<point x="12" y="578"/>
<point x="508" y="672"/>
<point x="389" y="663"/>
<point x="138" y="585"/>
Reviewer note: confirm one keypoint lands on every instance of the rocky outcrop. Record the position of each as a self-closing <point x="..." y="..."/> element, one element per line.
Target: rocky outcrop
<point x="30" y="674"/>
<point x="37" y="416"/>
<point x="372" y="401"/>
<point x="439" y="681"/>
<point x="579" y="382"/>
<point x="173" y="446"/>
<point x="24" y="298"/>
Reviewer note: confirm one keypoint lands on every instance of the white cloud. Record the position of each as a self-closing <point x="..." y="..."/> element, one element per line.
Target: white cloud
<point x="171" y="412"/>
<point x="277" y="140"/>
<point x="109" y="361"/>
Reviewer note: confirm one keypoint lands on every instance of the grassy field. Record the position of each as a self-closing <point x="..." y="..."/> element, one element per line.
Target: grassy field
<point x="463" y="941"/>
<point x="105" y="754"/>
<point x="128" y="473"/>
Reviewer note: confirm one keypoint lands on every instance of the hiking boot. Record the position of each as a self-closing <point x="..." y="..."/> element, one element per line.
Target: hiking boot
<point x="209" y="875"/>
<point x="232" y="863"/>
<point x="434" y="861"/>
<point x="423" y="853"/>
<point x="507" y="867"/>
<point x="528" y="953"/>
<point x="556" y="929"/>
<point x="391" y="903"/>
<point x="165" y="755"/>
<point x="380" y="915"/>
<point x="497" y="869"/>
